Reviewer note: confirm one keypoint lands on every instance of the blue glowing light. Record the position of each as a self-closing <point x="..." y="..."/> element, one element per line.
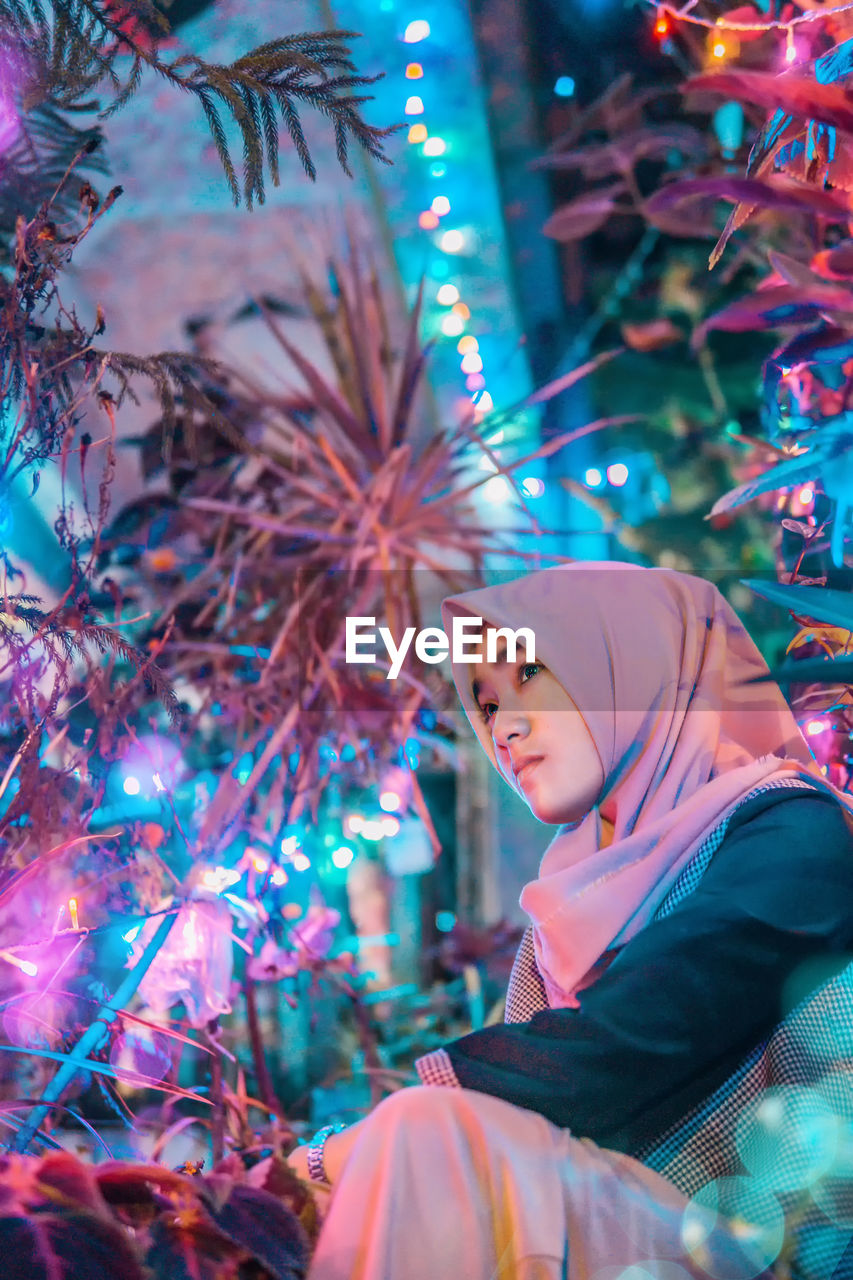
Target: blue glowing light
<point x="565" y="87"/>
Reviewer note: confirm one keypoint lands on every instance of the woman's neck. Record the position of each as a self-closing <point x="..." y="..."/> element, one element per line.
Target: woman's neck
<point x="606" y="831"/>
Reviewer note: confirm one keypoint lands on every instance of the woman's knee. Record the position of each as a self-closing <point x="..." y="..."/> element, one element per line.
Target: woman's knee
<point x="418" y="1105"/>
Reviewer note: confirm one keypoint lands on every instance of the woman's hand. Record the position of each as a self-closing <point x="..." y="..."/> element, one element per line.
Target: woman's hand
<point x="335" y="1153"/>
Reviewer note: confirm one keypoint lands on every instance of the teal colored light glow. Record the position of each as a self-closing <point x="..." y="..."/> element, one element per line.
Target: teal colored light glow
<point x="437" y="170"/>
<point x="565" y="87"/>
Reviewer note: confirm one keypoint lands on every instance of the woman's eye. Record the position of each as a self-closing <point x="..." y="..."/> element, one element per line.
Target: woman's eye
<point x="487" y="710"/>
<point x="532" y="667"/>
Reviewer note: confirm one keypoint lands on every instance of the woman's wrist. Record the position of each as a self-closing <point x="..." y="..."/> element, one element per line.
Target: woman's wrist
<point x="316" y="1152"/>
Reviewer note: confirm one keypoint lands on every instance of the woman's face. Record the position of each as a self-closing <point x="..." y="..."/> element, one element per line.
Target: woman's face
<point x="542" y="745"/>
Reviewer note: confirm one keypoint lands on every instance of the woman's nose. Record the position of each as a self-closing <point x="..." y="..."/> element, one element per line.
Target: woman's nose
<point x="509" y="725"/>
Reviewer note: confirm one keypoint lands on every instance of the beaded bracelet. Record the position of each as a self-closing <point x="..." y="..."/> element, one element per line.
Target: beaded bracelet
<point x="314" y="1161"/>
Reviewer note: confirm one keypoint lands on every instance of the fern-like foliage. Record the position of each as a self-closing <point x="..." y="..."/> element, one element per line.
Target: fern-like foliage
<point x="33" y="167"/>
<point x="64" y="51"/>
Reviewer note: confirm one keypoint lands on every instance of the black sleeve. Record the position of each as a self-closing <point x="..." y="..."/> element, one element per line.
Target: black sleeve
<point x="688" y="997"/>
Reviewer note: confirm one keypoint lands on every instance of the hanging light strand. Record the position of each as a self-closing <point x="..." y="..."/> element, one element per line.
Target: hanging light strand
<point x="668" y="12"/>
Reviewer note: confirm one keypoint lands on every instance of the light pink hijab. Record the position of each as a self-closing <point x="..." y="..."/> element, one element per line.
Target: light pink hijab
<point x="667" y="652"/>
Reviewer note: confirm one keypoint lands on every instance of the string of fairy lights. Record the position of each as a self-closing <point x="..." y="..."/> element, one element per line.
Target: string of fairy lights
<point x="450" y="240"/>
<point x="456" y="318"/>
<point x="723" y="33"/>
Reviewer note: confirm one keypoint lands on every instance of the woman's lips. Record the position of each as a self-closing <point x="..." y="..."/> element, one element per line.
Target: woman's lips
<point x="525" y="769"/>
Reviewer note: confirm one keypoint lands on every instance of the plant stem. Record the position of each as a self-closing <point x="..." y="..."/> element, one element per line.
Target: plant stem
<point x="93" y="1037"/>
<point x="217" y="1130"/>
<point x="265" y="1089"/>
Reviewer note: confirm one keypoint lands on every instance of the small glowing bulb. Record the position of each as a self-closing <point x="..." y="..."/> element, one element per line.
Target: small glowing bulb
<point x="25" y="966"/>
<point x="390" y="801"/>
<point x="719" y="50"/>
<point x="472" y="362"/>
<point x="372" y="830"/>
<point x="418" y="133"/>
<point x="279" y="876"/>
<point x="158" y="782"/>
<point x="260" y="862"/>
<point x="72" y="911"/>
<point x="289" y="845"/>
<point x="428" y="220"/>
<point x="354" y="823"/>
<point x="452" y="326"/>
<point x="414" y="106"/>
<point x="475" y="382"/>
<point x="592" y="477"/>
<point x="301" y="862"/>
<point x="814" y="727"/>
<point x="662" y="24"/>
<point x="466" y="344"/>
<point x="447" y="295"/>
<point x="390" y="825"/>
<point x="790" y="47"/>
<point x="496" y="489"/>
<point x="343" y="856"/>
<point x="805" y="496"/>
<point x="132" y="934"/>
<point x="218" y="878"/>
<point x="441" y="206"/>
<point x="460" y="309"/>
<point x="452" y="241"/>
<point x="532" y="487"/>
<point x="416" y="31"/>
<point x="131" y="786"/>
<point x="486" y="403"/>
<point x="617" y="474"/>
<point x="435" y="147"/>
<point x="414" y="71"/>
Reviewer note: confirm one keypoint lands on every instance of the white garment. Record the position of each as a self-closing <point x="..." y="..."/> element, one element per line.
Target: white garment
<point x="449" y="1184"/>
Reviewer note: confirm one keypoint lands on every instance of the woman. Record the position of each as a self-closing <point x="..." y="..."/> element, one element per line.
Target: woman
<point x="699" y="884"/>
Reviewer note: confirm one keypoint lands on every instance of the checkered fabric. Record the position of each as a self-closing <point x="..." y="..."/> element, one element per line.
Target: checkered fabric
<point x="436" y="1068"/>
<point x="784" y="1117"/>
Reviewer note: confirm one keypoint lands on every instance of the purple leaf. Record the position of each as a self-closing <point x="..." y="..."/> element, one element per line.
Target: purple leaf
<point x="774" y="193"/>
<point x="775" y="307"/>
<point x="799" y="95"/>
<point x="584" y="215"/>
<point x="784" y="476"/>
<point x="263" y="1226"/>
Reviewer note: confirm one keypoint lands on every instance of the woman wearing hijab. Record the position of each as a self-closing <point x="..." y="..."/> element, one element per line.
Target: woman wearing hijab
<point x="699" y="886"/>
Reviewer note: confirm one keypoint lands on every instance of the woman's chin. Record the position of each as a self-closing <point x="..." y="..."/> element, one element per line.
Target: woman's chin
<point x="554" y="815"/>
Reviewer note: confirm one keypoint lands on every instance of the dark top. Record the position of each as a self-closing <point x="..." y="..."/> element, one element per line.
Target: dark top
<point x="686" y="999"/>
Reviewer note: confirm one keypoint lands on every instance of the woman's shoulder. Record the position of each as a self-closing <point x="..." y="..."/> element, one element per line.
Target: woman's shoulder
<point x="795" y="806"/>
<point x="788" y="853"/>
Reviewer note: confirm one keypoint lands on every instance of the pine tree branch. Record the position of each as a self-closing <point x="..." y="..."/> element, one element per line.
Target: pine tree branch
<point x="79" y="50"/>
